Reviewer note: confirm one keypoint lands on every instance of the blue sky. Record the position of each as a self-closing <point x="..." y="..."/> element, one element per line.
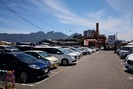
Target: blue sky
<point x="113" y="16"/>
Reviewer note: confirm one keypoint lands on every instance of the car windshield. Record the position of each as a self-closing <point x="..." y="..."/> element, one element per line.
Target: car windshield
<point x="25" y="58"/>
<point x="125" y="48"/>
<point x="76" y="49"/>
<point x="12" y="50"/>
<point x="69" y="50"/>
<point x="44" y="54"/>
<point x="65" y="51"/>
<point x="10" y="47"/>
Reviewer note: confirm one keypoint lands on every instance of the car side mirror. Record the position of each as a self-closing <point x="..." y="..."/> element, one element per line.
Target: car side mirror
<point x="59" y="53"/>
<point x="39" y="57"/>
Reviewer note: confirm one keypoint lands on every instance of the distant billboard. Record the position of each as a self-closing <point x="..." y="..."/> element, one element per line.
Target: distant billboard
<point x="86" y="42"/>
<point x="111" y="39"/>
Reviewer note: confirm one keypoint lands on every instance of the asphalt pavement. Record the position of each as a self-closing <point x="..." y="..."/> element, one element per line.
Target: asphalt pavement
<point x="100" y="70"/>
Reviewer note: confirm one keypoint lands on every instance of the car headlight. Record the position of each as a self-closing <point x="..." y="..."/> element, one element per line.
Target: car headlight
<point x="72" y="57"/>
<point x="34" y="66"/>
<point x="51" y="61"/>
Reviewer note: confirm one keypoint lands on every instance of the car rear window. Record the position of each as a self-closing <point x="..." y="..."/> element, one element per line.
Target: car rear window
<point x="125" y="48"/>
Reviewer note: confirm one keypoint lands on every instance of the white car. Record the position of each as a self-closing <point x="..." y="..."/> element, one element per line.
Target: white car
<point x="8" y="48"/>
<point x="129" y="62"/>
<point x="94" y="49"/>
<point x="77" y="50"/>
<point x="89" y="50"/>
<point x="125" y="51"/>
<point x="72" y="52"/>
<point x="54" y="62"/>
<point x="60" y="53"/>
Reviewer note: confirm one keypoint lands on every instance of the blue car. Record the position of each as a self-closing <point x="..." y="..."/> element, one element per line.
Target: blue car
<point x="25" y="66"/>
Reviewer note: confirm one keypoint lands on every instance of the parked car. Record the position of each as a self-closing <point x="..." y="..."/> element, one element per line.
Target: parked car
<point x="94" y="49"/>
<point x="25" y="66"/>
<point x="124" y="51"/>
<point x="8" y="48"/>
<point x="60" y="53"/>
<point x="89" y="50"/>
<point x="72" y="52"/>
<point x="118" y="50"/>
<point x="77" y="50"/>
<point x="84" y="51"/>
<point x="54" y="62"/>
<point x="129" y="62"/>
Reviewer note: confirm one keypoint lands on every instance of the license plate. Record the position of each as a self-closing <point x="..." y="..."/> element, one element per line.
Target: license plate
<point x="55" y="65"/>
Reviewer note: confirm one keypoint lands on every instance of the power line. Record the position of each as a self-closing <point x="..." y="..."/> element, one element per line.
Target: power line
<point x="38" y="18"/>
<point x="11" y="10"/>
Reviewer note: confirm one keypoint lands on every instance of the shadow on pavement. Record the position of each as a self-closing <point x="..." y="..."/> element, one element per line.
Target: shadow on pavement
<point x="130" y="72"/>
<point x="33" y="80"/>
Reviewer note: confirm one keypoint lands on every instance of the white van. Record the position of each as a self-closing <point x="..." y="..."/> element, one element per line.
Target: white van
<point x="60" y="53"/>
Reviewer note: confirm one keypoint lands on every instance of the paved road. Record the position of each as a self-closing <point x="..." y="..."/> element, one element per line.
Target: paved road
<point x="101" y="70"/>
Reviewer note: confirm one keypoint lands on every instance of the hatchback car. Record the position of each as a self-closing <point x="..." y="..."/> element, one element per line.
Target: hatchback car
<point x="54" y="62"/>
<point x="25" y="66"/>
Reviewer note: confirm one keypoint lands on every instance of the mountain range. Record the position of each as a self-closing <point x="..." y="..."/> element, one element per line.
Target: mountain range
<point x="33" y="37"/>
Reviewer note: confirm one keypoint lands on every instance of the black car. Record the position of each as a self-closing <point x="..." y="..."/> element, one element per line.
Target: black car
<point x="25" y="66"/>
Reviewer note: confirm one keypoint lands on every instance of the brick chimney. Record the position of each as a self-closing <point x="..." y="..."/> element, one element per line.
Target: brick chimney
<point x="97" y="30"/>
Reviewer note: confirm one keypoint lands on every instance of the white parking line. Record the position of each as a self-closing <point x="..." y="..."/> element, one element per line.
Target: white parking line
<point x="54" y="73"/>
<point x="25" y="84"/>
<point x="84" y="58"/>
<point x="122" y="63"/>
<point x="81" y="60"/>
<point x="124" y="69"/>
<point x="130" y="78"/>
<point x="120" y="60"/>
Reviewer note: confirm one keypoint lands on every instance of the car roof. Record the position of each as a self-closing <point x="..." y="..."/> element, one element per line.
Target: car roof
<point x="128" y="46"/>
<point x="33" y="51"/>
<point x="5" y="45"/>
<point x="13" y="53"/>
<point x="48" y="47"/>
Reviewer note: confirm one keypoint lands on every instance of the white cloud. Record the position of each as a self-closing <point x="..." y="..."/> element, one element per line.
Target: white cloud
<point x="2" y="20"/>
<point x="122" y="25"/>
<point x="108" y="24"/>
<point x="96" y="15"/>
<point x="7" y="21"/>
<point x="12" y="31"/>
<point x="121" y="5"/>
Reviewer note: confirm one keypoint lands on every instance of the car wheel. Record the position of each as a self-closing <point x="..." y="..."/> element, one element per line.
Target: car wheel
<point x="23" y="77"/>
<point x="64" y="62"/>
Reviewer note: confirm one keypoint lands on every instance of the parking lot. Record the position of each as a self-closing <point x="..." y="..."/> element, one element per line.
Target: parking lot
<point x="100" y="70"/>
